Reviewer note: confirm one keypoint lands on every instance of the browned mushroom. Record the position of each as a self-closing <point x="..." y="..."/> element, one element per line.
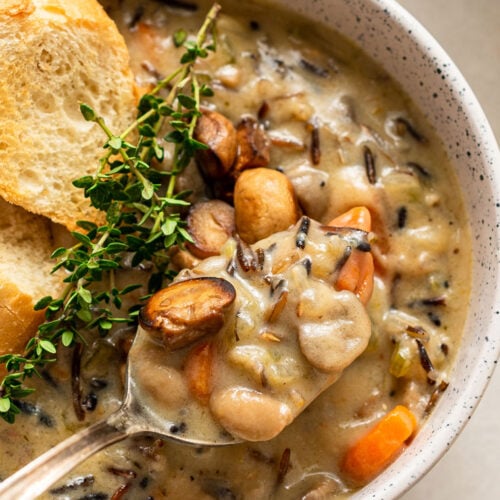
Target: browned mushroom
<point x="180" y="258"/>
<point x="264" y="203"/>
<point x="210" y="223"/>
<point x="187" y="310"/>
<point x="253" y="146"/>
<point x="219" y="134"/>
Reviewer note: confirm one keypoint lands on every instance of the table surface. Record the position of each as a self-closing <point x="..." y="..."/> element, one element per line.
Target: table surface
<point x="470" y="33"/>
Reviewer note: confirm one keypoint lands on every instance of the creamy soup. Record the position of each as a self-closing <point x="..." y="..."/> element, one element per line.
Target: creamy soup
<point x="344" y="136"/>
<point x="287" y="336"/>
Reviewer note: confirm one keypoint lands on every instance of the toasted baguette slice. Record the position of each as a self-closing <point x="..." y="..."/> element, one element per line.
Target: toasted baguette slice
<point x="25" y="275"/>
<point x="55" y="54"/>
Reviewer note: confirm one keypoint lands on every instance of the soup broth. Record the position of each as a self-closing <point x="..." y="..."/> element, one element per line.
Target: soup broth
<point x="345" y="135"/>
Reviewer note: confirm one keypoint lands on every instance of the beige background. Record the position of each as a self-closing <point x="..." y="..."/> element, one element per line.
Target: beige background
<point x="469" y="31"/>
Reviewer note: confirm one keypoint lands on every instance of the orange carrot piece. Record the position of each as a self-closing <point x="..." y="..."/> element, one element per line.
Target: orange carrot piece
<point x="380" y="446"/>
<point x="198" y="371"/>
<point x="356" y="274"/>
<point x="357" y="218"/>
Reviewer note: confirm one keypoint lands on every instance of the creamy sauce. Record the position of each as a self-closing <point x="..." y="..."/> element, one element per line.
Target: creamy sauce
<point x="288" y="337"/>
<point x="295" y="80"/>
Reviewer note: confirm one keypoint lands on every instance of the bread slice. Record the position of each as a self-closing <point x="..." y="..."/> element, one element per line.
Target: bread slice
<point x="55" y="54"/>
<point x="25" y="275"/>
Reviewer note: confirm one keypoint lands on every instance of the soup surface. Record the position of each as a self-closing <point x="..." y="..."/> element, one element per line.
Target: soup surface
<point x="345" y="136"/>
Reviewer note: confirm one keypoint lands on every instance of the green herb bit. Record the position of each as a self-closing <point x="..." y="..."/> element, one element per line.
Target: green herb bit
<point x="136" y="194"/>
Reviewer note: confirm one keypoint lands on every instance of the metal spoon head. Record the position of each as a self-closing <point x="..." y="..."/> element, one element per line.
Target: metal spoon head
<point x="153" y="400"/>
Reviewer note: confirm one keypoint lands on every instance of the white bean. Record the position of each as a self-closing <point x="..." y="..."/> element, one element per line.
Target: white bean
<point x="335" y="331"/>
<point x="164" y="384"/>
<point x="250" y="414"/>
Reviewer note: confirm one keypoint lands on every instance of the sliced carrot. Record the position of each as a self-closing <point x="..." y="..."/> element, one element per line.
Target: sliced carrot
<point x="380" y="446"/>
<point x="356" y="275"/>
<point x="198" y="370"/>
<point x="357" y="218"/>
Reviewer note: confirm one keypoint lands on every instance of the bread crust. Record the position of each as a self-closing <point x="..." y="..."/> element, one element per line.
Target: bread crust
<point x="18" y="320"/>
<point x="13" y="8"/>
<point x="26" y="242"/>
<point x="53" y="55"/>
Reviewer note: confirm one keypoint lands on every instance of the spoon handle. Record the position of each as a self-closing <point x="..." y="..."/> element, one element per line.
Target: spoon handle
<point x="36" y="477"/>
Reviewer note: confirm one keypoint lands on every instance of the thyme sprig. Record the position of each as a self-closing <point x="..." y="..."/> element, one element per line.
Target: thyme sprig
<point x="136" y="194"/>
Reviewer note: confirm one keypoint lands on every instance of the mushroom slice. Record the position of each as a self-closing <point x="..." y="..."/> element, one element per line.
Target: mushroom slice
<point x="210" y="223"/>
<point x="219" y="134"/>
<point x="253" y="146"/>
<point x="187" y="310"/>
<point x="311" y="187"/>
<point x="182" y="259"/>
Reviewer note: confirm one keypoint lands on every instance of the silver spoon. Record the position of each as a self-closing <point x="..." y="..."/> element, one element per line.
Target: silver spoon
<point x="132" y="418"/>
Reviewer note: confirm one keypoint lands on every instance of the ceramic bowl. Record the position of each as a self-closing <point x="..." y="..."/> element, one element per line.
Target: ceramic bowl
<point x="394" y="39"/>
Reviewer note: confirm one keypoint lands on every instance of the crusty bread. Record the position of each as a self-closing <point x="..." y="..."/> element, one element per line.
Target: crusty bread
<point x="55" y="54"/>
<point x="25" y="246"/>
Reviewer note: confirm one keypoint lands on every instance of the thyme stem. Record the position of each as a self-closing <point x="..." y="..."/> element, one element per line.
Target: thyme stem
<point x="140" y="221"/>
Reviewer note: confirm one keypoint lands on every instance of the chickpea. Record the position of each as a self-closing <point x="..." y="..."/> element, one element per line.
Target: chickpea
<point x="249" y="414"/>
<point x="264" y="203"/>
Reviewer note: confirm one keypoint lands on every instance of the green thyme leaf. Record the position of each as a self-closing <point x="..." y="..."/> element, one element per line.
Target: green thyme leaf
<point x="48" y="346"/>
<point x="165" y="110"/>
<point x="85" y="294"/>
<point x="187" y="101"/>
<point x="185" y="235"/>
<point x="168" y="227"/>
<point x="105" y="324"/>
<point x="86" y="225"/>
<point x="42" y="303"/>
<point x="83" y="182"/>
<point x="147" y="130"/>
<point x="148" y="190"/>
<point x="4" y="405"/>
<point x="116" y="247"/>
<point x="206" y="91"/>
<point x="115" y="143"/>
<point x="85" y="315"/>
<point x="67" y="338"/>
<point x="175" y="137"/>
<point x="180" y="37"/>
<point x="82" y="238"/>
<point x="88" y="113"/>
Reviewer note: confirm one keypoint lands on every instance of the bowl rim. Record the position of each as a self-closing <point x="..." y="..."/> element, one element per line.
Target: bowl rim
<point x="406" y="470"/>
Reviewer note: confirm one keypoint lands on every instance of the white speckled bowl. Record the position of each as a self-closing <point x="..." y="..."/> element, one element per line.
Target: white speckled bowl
<point x="408" y="52"/>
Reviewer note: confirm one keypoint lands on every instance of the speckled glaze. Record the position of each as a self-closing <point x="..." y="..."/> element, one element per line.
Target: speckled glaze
<point x="408" y="52"/>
